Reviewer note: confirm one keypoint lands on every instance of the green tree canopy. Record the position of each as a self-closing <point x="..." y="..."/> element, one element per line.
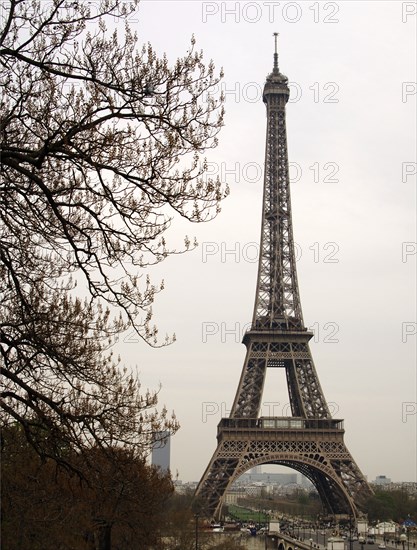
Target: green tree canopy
<point x="391" y="505"/>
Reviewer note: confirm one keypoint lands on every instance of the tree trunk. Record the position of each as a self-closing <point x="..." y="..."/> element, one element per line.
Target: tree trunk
<point x="103" y="535"/>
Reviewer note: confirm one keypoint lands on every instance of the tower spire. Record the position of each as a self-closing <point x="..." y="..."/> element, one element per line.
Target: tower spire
<point x="276" y="52"/>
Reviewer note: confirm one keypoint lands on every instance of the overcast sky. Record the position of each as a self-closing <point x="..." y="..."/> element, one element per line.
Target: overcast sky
<point x="351" y="132"/>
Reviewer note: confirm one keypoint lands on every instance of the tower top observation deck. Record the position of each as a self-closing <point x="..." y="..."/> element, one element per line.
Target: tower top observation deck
<point x="276" y="82"/>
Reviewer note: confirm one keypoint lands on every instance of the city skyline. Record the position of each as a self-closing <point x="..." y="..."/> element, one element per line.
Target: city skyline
<point x="351" y="145"/>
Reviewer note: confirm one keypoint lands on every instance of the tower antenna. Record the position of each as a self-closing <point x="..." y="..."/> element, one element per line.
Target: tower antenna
<point x="276" y="51"/>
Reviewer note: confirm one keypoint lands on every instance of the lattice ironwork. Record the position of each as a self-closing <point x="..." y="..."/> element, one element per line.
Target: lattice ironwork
<point x="309" y="441"/>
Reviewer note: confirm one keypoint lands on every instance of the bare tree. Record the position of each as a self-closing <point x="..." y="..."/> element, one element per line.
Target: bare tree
<point x="102" y="144"/>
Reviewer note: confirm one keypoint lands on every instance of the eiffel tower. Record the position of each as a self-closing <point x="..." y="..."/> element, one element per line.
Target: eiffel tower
<point x="310" y="440"/>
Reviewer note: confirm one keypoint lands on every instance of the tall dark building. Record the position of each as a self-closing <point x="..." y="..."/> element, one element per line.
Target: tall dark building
<point x="161" y="450"/>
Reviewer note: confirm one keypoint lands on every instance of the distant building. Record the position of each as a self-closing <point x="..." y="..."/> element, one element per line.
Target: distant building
<point x="161" y="450"/>
<point x="267" y="478"/>
<point x="385" y="527"/>
<point x="232" y="495"/>
<point x="382" y="480"/>
<point x="253" y="491"/>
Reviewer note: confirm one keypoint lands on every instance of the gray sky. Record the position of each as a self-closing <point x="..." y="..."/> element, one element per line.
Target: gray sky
<point x="351" y="131"/>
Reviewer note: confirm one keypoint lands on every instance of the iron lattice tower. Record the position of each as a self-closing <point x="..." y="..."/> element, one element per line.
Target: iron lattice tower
<point x="310" y="441"/>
